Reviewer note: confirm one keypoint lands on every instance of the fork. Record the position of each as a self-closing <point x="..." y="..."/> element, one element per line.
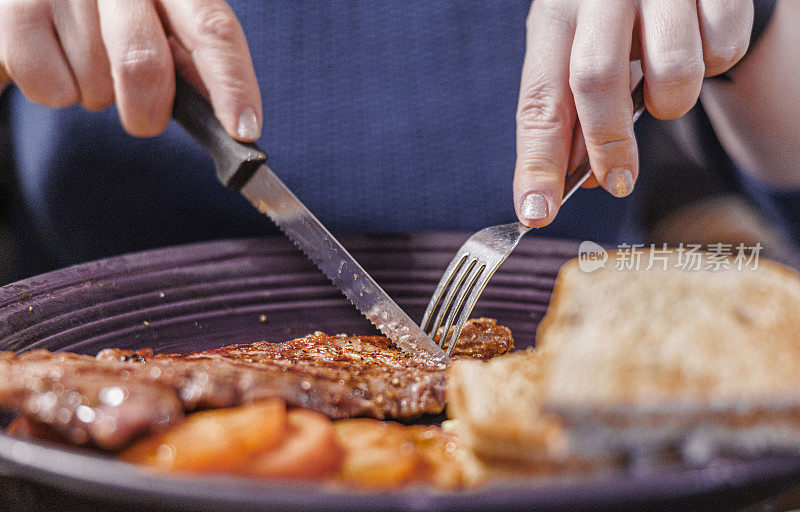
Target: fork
<point x="481" y="255"/>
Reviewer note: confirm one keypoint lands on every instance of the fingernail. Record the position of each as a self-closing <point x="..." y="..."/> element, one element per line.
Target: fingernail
<point x="247" y="127"/>
<point x="534" y="206"/>
<point x="619" y="182"/>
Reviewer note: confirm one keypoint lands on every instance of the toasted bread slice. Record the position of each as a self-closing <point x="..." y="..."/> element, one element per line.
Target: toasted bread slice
<point x="495" y="411"/>
<point x="498" y="407"/>
<point x="477" y="470"/>
<point x="705" y="360"/>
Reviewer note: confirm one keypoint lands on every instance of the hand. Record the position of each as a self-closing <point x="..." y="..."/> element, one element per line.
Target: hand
<point x="97" y="52"/>
<point x="575" y="89"/>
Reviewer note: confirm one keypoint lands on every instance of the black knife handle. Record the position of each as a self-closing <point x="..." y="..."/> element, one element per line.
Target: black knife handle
<point x="236" y="162"/>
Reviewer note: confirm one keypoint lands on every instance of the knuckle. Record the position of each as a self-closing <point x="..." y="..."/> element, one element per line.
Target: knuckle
<point x="95" y="105"/>
<point x="216" y="23"/>
<point x="539" y="109"/>
<point x="146" y="120"/>
<point x="63" y="96"/>
<point x="42" y="83"/>
<point x="553" y="12"/>
<point x="675" y="69"/>
<point x="143" y="66"/>
<point x="726" y="16"/>
<point x="608" y="140"/>
<point x="56" y="93"/>
<point x="20" y="70"/>
<point x="14" y="68"/>
<point x="233" y="85"/>
<point x="25" y="13"/>
<point x="97" y="100"/>
<point x="720" y="58"/>
<point x="539" y="168"/>
<point x="667" y="107"/>
<point x="726" y="28"/>
<point x="593" y="75"/>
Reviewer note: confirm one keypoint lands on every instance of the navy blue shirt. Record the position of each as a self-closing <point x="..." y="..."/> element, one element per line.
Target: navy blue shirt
<point x="382" y="116"/>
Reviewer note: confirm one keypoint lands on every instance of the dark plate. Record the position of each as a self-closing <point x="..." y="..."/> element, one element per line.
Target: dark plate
<point x="205" y="295"/>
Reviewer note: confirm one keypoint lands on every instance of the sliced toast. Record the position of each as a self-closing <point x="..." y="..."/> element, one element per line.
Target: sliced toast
<point x="497" y="404"/>
<point x="700" y="360"/>
<point x="495" y="410"/>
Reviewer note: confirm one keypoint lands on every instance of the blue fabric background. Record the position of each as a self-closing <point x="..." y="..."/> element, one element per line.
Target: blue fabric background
<point x="382" y="116"/>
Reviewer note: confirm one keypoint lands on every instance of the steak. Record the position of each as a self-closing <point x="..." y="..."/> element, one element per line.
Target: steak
<point x="109" y="400"/>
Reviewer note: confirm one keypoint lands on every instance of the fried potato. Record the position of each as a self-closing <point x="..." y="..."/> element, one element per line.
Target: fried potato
<point x="383" y="454"/>
<point x="376" y="453"/>
<point x="219" y="440"/>
<point x="309" y="452"/>
<point x="437" y="450"/>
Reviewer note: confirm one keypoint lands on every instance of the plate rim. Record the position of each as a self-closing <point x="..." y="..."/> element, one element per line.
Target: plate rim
<point x="34" y="462"/>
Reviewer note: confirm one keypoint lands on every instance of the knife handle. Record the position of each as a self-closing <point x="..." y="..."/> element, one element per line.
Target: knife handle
<point x="236" y="162"/>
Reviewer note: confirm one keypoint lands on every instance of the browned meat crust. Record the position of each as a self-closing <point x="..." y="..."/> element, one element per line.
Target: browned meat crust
<point x="120" y="395"/>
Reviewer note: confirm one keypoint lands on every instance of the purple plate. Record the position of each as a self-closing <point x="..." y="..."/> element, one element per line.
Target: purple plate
<point x="206" y="295"/>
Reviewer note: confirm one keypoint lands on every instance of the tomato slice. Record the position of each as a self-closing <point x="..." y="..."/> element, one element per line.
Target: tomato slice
<point x="219" y="440"/>
<point x="309" y="452"/>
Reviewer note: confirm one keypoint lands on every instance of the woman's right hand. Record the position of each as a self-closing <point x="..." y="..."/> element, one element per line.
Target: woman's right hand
<point x="99" y="52"/>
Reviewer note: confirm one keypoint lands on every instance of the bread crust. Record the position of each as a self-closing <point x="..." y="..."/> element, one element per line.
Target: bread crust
<point x="747" y="413"/>
<point x="500" y="418"/>
<point x="495" y="408"/>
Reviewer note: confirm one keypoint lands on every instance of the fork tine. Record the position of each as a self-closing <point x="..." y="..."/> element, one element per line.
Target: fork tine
<point x="459" y="302"/>
<point x="466" y="311"/>
<point x="456" y="285"/>
<point x="438" y="293"/>
<point x="489" y="247"/>
<point x="446" y="295"/>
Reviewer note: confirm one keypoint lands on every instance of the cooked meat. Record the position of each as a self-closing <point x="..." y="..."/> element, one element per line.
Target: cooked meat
<point x="481" y="338"/>
<point x="25" y="427"/>
<point x="88" y="401"/>
<point x="109" y="400"/>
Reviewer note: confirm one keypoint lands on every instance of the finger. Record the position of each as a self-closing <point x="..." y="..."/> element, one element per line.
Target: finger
<point x="600" y="81"/>
<point x="185" y="64"/>
<point x="213" y="36"/>
<point x="5" y="78"/>
<point x="545" y="113"/>
<point x="578" y="157"/>
<point x="141" y="64"/>
<point x="672" y="56"/>
<point x="77" y="24"/>
<point x="725" y="27"/>
<point x="32" y="56"/>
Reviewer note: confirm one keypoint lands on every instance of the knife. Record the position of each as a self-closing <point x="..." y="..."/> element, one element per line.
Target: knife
<point x="242" y="167"/>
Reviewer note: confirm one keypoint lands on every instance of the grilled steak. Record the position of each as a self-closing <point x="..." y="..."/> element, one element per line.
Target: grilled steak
<point x="109" y="400"/>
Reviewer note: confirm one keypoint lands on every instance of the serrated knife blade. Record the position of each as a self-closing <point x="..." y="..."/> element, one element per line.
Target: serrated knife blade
<point x="272" y="197"/>
<point x="240" y="167"/>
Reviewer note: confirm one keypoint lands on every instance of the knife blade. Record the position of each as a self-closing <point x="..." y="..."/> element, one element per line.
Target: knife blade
<point x="272" y="197"/>
<point x="241" y="167"/>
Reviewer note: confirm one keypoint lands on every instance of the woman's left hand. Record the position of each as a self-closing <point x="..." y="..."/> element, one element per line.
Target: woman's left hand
<point x="576" y="85"/>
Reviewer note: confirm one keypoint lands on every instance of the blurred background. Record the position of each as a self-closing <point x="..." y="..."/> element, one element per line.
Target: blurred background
<point x="688" y="191"/>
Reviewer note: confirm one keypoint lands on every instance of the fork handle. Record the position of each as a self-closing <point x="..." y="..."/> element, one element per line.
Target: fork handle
<point x="577" y="177"/>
